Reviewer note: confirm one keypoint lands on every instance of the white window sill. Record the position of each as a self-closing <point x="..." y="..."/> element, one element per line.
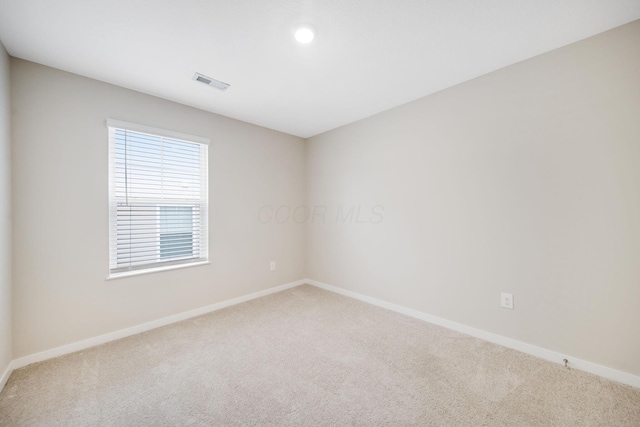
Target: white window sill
<point x="124" y="274"/>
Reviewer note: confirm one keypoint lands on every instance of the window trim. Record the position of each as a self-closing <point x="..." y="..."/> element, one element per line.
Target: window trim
<point x="133" y="127"/>
<point x="151" y="270"/>
<point x="164" y="133"/>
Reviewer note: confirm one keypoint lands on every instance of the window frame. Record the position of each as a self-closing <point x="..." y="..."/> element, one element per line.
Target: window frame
<point x="203" y="203"/>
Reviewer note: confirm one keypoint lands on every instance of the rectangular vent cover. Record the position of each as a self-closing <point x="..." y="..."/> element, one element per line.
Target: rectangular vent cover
<point x="211" y="82"/>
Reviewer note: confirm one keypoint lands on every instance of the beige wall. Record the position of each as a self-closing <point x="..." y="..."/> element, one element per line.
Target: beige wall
<point x="5" y="216"/>
<point x="525" y="180"/>
<point x="61" y="211"/>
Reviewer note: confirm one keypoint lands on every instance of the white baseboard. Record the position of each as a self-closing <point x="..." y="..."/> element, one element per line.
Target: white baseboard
<point x="582" y="365"/>
<point x="122" y="333"/>
<point x="5" y="376"/>
<point x="540" y="352"/>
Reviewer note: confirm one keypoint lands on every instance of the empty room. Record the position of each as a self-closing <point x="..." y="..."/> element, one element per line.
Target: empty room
<point x="320" y="213"/>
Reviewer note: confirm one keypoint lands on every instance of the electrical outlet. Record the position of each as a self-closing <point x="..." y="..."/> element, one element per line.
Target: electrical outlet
<point x="506" y="300"/>
<point x="272" y="266"/>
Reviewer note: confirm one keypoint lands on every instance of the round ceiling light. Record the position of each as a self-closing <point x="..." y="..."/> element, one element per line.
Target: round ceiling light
<point x="304" y="34"/>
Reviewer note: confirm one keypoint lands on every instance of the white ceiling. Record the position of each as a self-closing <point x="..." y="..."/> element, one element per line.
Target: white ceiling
<point x="368" y="55"/>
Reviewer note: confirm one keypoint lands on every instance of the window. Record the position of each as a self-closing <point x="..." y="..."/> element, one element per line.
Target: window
<point x="157" y="199"/>
<point x="176" y="231"/>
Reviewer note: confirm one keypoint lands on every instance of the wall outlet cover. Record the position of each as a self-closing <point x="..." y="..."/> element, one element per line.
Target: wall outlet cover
<point x="506" y="300"/>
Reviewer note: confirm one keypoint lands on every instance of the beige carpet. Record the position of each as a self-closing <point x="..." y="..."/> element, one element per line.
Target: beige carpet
<point x="309" y="357"/>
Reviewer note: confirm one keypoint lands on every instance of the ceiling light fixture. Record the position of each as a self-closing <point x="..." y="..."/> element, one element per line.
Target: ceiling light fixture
<point x="304" y="34"/>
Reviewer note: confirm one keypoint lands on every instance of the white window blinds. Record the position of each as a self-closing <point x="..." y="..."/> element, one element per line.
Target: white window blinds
<point x="157" y="198"/>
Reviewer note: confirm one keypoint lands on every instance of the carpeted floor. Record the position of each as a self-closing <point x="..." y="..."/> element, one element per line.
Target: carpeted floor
<point x="309" y="357"/>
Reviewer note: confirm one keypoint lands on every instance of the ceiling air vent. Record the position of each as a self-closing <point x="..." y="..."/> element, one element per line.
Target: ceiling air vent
<point x="211" y="82"/>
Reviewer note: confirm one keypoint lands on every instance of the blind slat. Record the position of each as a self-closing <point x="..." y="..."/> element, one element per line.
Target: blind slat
<point x="158" y="200"/>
